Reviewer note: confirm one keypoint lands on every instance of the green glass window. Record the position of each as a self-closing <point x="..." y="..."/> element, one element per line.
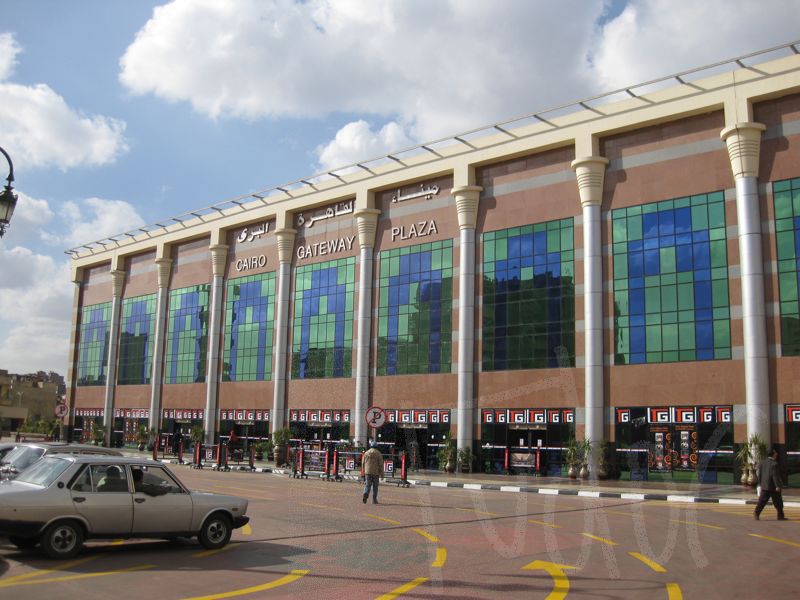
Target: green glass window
<point x="249" y="319"/>
<point x="529" y="297"/>
<point x="187" y="335"/>
<point x="415" y="288"/>
<point x="786" y="195"/>
<point x="93" y="345"/>
<point x="322" y="341"/>
<point x="671" y="299"/>
<point x="136" y="340"/>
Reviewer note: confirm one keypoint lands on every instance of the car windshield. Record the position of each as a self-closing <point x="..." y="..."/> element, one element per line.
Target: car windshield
<point x="23" y="456"/>
<point x="44" y="472"/>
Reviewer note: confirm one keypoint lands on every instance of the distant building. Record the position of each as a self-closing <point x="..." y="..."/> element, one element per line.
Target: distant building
<point x="28" y="397"/>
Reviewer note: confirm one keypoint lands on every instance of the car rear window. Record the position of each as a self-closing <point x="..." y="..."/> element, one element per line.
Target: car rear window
<point x="23" y="456"/>
<point x="44" y="472"/>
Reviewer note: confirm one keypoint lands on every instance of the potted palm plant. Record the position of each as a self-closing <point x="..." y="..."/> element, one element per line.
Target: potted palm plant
<point x="281" y="438"/>
<point x="572" y="457"/>
<point x="744" y="457"/>
<point x="447" y="454"/>
<point x="98" y="436"/>
<point x="465" y="459"/>
<point x="142" y="436"/>
<point x="758" y="450"/>
<point x="263" y="449"/>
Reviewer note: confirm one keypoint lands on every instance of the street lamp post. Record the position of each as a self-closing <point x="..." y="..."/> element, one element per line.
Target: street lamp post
<point x="8" y="199"/>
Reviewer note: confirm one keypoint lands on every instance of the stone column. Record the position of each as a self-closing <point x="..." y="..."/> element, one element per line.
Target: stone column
<point x="285" y="237"/>
<point x="74" y="348"/>
<point x="467" y="198"/>
<point x="367" y="221"/>
<point x="744" y="144"/>
<point x="164" y="267"/>
<point x="117" y="281"/>
<point x="219" y="254"/>
<point x="590" y="172"/>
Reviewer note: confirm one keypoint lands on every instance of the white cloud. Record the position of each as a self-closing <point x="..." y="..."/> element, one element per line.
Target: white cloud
<point x="8" y="55"/>
<point x="652" y="39"/>
<point x="429" y="69"/>
<point x="30" y="219"/>
<point x="94" y="219"/>
<point x="39" y="128"/>
<point x="435" y="67"/>
<point x="37" y="305"/>
<point x="36" y="292"/>
<point x="357" y="141"/>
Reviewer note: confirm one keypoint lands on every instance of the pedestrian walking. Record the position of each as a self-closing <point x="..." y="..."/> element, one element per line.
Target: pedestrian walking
<point x="373" y="471"/>
<point x="769" y="480"/>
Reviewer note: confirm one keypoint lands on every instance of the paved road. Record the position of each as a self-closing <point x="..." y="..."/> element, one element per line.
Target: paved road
<point x="317" y="540"/>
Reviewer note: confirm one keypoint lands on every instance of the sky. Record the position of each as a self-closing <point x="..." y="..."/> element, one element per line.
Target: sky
<point x="120" y="113"/>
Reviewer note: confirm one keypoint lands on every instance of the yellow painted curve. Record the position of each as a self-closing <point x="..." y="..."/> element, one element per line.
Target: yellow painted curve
<point x="293" y="576"/>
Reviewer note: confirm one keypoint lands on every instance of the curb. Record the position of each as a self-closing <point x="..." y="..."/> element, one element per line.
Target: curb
<point x="679" y="498"/>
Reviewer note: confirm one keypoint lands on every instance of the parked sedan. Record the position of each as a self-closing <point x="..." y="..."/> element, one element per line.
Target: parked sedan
<point x="62" y="500"/>
<point x="25" y="454"/>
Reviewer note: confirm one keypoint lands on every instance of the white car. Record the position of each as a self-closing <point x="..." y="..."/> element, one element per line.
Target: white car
<point x="62" y="500"/>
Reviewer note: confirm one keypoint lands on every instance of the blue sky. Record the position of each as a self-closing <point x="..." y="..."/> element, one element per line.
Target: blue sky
<point x="118" y="113"/>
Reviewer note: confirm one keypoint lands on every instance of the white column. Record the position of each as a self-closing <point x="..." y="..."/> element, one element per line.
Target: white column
<point x="590" y="172"/>
<point x="163" y="266"/>
<point x="117" y="281"/>
<point x="74" y="345"/>
<point x="285" y="239"/>
<point x="467" y="198"/>
<point x="219" y="254"/>
<point x="744" y="144"/>
<point x="367" y="222"/>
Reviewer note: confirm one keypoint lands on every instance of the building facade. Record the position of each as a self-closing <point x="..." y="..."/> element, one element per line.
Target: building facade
<point x="624" y="270"/>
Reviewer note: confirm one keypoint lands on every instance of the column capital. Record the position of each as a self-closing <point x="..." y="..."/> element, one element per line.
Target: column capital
<point x="590" y="171"/>
<point x="367" y="222"/>
<point x="285" y="237"/>
<point x="164" y="267"/>
<point x="744" y="146"/>
<point x="219" y="254"/>
<point x="467" y="198"/>
<point x="117" y="281"/>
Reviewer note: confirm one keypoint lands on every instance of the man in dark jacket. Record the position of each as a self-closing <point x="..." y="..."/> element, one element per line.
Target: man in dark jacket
<point x="769" y="478"/>
<point x="373" y="471"/>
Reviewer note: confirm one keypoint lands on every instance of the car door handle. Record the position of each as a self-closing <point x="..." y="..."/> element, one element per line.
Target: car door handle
<point x="139" y="500"/>
<point x="79" y="499"/>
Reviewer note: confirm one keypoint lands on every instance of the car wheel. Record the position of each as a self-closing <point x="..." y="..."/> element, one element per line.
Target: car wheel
<point x="62" y="540"/>
<point x="23" y="542"/>
<point x="216" y="531"/>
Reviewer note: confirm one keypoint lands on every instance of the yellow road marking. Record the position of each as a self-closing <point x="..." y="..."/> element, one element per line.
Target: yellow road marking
<point x="674" y="592"/>
<point x="293" y="576"/>
<point x="480" y="512"/>
<point x="246" y="529"/>
<point x="43" y="572"/>
<point x="321" y="506"/>
<point x="391" y="521"/>
<point x="9" y="583"/>
<point x="698" y="524"/>
<point x="241" y="489"/>
<point x="403" y="589"/>
<point x="652" y="564"/>
<point x="619" y="512"/>
<point x="117" y="542"/>
<point x="599" y="539"/>
<point x="426" y="535"/>
<point x="553" y="525"/>
<point x="772" y="539"/>
<point x="441" y="557"/>
<point x="206" y="553"/>
<point x="556" y="572"/>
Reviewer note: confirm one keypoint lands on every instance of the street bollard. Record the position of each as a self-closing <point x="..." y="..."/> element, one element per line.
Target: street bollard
<point x="507" y="463"/>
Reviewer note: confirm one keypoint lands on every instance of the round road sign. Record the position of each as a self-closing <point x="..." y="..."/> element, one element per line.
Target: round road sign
<point x="375" y="417"/>
<point x="61" y="411"/>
